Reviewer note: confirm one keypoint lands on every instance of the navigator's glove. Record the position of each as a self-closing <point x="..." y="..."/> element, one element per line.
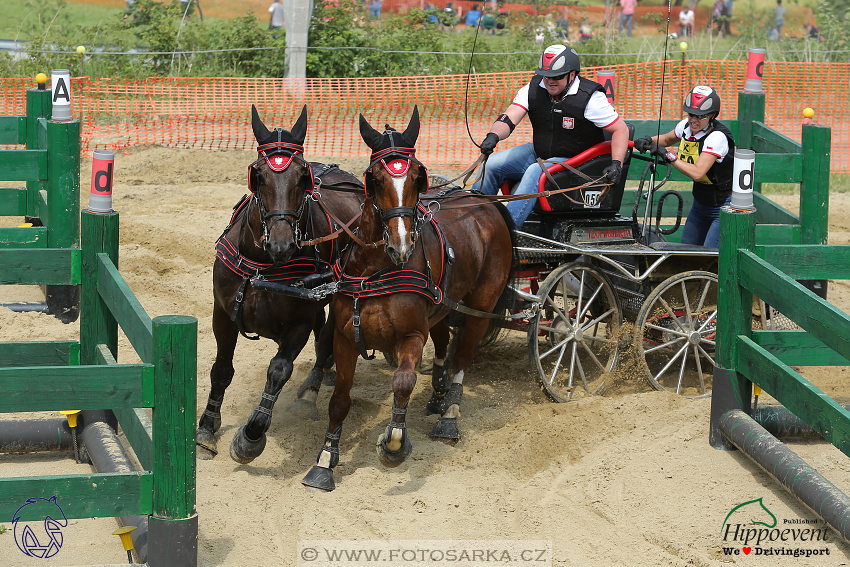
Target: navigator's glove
<point x="643" y="144"/>
<point x="489" y="143"/>
<point x="660" y="151"/>
<point x="612" y="172"/>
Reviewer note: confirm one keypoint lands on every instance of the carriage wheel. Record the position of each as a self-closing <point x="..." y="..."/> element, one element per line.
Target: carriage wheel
<point x="572" y="342"/>
<point x="675" y="334"/>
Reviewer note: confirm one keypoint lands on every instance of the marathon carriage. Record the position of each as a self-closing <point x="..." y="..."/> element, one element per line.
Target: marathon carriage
<point x="610" y="292"/>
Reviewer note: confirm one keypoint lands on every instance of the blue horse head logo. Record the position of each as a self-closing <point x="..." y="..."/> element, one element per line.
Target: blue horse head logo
<point x="49" y="542"/>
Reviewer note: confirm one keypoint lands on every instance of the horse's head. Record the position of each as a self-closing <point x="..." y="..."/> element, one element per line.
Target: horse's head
<point x="394" y="181"/>
<point x="279" y="181"/>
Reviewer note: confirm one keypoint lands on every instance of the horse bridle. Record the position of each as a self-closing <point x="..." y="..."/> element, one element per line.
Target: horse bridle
<point x="278" y="156"/>
<point x="399" y="158"/>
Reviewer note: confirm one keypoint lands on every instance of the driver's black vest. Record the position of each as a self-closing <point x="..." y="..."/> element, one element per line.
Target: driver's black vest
<point x="716" y="186"/>
<point x="560" y="128"/>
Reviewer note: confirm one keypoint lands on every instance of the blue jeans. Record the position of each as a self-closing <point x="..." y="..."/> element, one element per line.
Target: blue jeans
<point x="627" y="21"/>
<point x="703" y="225"/>
<point x="516" y="163"/>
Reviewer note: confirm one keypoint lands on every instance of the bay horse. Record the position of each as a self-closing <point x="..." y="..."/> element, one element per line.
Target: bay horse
<point x="259" y="252"/>
<point x="393" y="292"/>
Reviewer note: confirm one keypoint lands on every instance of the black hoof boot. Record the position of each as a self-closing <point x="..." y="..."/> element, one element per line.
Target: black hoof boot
<point x="393" y="459"/>
<point x="440" y="383"/>
<point x="205" y="439"/>
<point x="305" y="409"/>
<point x="446" y="430"/>
<point x="321" y="478"/>
<point x="243" y="450"/>
<point x="329" y="379"/>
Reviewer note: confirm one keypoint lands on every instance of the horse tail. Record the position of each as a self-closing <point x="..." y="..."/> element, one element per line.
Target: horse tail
<point x="507" y="300"/>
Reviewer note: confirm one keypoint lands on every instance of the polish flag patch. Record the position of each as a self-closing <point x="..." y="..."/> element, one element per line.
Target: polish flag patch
<point x="397" y="167"/>
<point x="278" y="163"/>
<point x="569" y="123"/>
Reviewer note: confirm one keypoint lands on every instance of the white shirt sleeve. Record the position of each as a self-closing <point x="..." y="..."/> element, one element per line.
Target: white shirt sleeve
<point x="599" y="110"/>
<point x="521" y="98"/>
<point x="679" y="130"/>
<point x="271" y="8"/>
<point x="716" y="144"/>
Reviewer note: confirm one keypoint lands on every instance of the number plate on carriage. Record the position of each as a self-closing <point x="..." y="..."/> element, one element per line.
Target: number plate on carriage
<point x="602" y="234"/>
<point x="591" y="199"/>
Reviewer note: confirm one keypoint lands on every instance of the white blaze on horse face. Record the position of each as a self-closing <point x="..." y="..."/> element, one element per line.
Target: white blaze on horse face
<point x="398" y="184"/>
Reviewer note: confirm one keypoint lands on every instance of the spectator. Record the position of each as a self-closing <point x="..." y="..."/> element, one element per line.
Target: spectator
<point x="448" y="17"/>
<point x="431" y="11"/>
<point x="375" y="9"/>
<point x="502" y="19"/>
<point x="778" y="20"/>
<point x="473" y="16"/>
<point x="276" y="18"/>
<point x="685" y="25"/>
<point x="627" y="17"/>
<point x="727" y="18"/>
<point x="717" y="17"/>
<point x="585" y="32"/>
<point x="562" y="27"/>
<point x="488" y="22"/>
<point x="812" y="33"/>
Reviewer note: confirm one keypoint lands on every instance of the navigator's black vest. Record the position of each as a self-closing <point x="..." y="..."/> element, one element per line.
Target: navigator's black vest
<point x="560" y="128"/>
<point x="716" y="186"/>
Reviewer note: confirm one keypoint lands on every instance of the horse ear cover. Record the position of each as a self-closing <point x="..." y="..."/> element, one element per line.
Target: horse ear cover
<point x="261" y="133"/>
<point x="371" y="136"/>
<point x="299" y="129"/>
<point x="411" y="134"/>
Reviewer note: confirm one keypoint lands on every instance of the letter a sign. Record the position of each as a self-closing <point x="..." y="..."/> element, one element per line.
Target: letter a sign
<point x="60" y="89"/>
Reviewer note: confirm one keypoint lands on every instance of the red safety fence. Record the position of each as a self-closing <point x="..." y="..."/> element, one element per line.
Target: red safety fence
<point x="214" y="113"/>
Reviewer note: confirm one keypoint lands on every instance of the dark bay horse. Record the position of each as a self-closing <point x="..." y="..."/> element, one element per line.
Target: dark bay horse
<point x="259" y="254"/>
<point x="393" y="292"/>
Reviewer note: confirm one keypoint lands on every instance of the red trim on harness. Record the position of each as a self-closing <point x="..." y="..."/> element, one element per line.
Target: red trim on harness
<point x="588" y="154"/>
<point x="397" y="167"/>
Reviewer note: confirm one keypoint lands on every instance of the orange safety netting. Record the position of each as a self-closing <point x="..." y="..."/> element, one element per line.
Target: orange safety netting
<point x="214" y="113"/>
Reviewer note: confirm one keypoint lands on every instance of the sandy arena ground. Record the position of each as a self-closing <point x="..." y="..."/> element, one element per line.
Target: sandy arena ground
<point x="624" y="479"/>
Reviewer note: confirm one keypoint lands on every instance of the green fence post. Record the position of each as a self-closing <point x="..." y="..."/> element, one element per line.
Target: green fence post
<point x="63" y="184"/>
<point x="173" y="527"/>
<point x="97" y="325"/>
<point x="814" y="188"/>
<point x="750" y="109"/>
<point x="39" y="105"/>
<point x="731" y="390"/>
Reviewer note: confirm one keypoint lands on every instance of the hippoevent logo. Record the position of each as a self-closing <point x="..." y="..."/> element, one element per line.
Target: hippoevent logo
<point x="47" y="541"/>
<point x="762" y="534"/>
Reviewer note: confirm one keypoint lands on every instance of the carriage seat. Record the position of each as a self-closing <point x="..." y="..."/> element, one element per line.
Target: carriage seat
<point x="591" y="162"/>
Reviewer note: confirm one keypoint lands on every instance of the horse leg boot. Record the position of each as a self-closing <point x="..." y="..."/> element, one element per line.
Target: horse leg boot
<point x="446" y="428"/>
<point x="321" y="476"/>
<point x="250" y="439"/>
<point x="305" y="400"/>
<point x="394" y="445"/>
<point x="221" y="375"/>
<point x="440" y="379"/>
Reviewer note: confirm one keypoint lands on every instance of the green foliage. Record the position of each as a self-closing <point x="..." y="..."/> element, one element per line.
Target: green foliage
<point x="3" y="529"/>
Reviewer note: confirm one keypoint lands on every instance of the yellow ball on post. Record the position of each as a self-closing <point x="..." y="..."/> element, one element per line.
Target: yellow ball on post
<point x="81" y="49"/>
<point x="683" y="46"/>
<point x="41" y="80"/>
<point x="808" y="114"/>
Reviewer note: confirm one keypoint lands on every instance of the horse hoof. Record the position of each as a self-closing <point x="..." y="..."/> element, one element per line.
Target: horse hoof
<point x="204" y="454"/>
<point x="425" y="369"/>
<point x="243" y="450"/>
<point x="393" y="459"/>
<point x="329" y="379"/>
<point x="321" y="478"/>
<point x="205" y="439"/>
<point x="446" y="429"/>
<point x="305" y="410"/>
<point x="435" y="405"/>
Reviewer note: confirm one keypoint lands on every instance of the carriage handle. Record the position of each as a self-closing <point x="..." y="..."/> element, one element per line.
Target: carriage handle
<point x="667" y="232"/>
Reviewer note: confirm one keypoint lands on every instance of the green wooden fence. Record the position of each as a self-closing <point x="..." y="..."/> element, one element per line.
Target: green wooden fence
<point x="84" y="374"/>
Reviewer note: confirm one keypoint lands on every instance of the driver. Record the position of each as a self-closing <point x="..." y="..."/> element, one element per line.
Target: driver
<point x="568" y="114"/>
<point x="705" y="154"/>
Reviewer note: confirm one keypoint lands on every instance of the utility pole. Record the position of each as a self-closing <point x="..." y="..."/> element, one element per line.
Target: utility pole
<point x="298" y="14"/>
